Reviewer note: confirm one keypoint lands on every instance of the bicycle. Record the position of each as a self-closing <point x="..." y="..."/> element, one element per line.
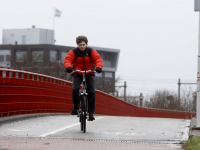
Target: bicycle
<point x="83" y="106"/>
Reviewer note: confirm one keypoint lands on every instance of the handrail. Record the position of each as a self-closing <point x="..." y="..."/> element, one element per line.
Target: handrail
<point x="32" y="73"/>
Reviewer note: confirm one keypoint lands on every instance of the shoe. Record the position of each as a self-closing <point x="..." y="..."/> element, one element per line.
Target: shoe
<point x="74" y="111"/>
<point x="91" y="117"/>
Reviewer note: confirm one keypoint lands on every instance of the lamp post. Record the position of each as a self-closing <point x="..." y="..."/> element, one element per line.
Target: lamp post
<point x="197" y="8"/>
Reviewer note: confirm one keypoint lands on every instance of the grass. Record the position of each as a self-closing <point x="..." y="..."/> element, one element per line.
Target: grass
<point x="192" y="144"/>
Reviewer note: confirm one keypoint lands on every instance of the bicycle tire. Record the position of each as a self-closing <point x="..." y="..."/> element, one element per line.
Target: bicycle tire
<point x="81" y="116"/>
<point x="81" y="123"/>
<point x="84" y="112"/>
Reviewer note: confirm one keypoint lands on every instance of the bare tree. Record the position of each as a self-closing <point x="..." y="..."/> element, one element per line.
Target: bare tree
<point x="107" y="84"/>
<point x="135" y="100"/>
<point x="165" y="99"/>
<point x="187" y="99"/>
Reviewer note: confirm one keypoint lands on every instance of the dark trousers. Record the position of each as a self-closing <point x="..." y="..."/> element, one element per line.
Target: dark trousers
<point x="90" y="82"/>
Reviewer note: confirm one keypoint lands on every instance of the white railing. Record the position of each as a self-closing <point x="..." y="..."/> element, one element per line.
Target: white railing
<point x="6" y="73"/>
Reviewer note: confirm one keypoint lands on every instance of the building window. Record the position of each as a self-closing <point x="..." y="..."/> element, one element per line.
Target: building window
<point x="5" y="55"/>
<point x="1" y="58"/>
<point x="98" y="74"/>
<point x="21" y="56"/>
<point x="53" y="55"/>
<point x="7" y="58"/>
<point x="106" y="63"/>
<point x="37" y="56"/>
<point x="108" y="74"/>
<point x="106" y="59"/>
<point x="63" y="55"/>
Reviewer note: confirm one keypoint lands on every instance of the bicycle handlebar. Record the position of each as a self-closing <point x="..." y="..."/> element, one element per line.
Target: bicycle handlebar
<point x="83" y="71"/>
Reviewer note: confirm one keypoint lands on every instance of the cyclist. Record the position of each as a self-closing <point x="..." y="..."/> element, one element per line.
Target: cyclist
<point x="83" y="58"/>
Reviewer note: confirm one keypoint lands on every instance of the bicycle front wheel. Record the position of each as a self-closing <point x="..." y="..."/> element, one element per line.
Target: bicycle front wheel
<point x="84" y="112"/>
<point x="81" y="119"/>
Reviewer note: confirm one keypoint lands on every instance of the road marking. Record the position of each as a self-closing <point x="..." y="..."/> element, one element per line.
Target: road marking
<point x="67" y="127"/>
<point x="17" y="130"/>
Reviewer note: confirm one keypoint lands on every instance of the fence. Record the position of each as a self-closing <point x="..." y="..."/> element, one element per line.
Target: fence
<point x="23" y="92"/>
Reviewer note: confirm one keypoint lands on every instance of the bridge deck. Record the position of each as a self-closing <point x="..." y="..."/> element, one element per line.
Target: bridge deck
<point x="106" y="131"/>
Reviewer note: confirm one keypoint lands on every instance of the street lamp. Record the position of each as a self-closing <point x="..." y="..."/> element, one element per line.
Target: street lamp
<point x="197" y="8"/>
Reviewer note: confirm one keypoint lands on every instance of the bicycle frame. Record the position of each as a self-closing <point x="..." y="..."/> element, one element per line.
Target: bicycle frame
<point x="84" y="86"/>
<point x="83" y="112"/>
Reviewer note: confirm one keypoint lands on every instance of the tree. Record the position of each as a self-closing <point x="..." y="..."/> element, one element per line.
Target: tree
<point x="165" y="99"/>
<point x="106" y="84"/>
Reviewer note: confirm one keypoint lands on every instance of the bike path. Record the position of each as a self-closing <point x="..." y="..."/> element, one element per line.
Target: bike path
<point x="156" y="133"/>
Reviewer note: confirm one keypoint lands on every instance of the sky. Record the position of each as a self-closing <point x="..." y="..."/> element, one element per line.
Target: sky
<point x="158" y="39"/>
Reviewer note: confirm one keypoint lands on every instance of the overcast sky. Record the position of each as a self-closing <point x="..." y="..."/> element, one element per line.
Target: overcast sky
<point x="158" y="39"/>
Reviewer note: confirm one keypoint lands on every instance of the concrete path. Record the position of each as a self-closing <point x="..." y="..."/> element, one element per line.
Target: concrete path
<point x="106" y="132"/>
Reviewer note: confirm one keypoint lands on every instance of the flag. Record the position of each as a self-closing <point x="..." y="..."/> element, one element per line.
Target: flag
<point x="57" y="12"/>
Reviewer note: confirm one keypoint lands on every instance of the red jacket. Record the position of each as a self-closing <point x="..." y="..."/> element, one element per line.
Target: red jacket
<point x="86" y="60"/>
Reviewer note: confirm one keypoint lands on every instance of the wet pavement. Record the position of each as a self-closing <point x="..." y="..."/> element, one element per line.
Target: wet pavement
<point x="106" y="132"/>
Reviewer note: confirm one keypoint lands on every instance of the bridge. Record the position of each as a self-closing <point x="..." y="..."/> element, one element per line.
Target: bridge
<point x="23" y="92"/>
<point x="35" y="108"/>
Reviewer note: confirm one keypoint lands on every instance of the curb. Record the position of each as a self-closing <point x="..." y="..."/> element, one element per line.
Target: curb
<point x="27" y="116"/>
<point x="194" y="131"/>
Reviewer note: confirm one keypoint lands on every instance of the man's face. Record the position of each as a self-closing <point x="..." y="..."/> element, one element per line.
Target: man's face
<point x="82" y="46"/>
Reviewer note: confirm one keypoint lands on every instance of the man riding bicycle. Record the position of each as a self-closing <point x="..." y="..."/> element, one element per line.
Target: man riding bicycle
<point x="83" y="58"/>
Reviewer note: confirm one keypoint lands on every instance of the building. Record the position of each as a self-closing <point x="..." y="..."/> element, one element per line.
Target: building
<point x="28" y="36"/>
<point x="19" y="49"/>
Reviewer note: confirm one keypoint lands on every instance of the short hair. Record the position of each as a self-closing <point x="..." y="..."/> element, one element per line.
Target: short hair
<point x="81" y="38"/>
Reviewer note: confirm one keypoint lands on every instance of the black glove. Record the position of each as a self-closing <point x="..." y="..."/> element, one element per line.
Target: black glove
<point x="98" y="70"/>
<point x="69" y="70"/>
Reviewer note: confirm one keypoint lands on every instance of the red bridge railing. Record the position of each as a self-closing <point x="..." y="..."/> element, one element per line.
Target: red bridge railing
<point x="23" y="92"/>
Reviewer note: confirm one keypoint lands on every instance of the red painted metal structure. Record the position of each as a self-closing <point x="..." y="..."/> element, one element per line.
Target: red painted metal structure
<point x="23" y="92"/>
